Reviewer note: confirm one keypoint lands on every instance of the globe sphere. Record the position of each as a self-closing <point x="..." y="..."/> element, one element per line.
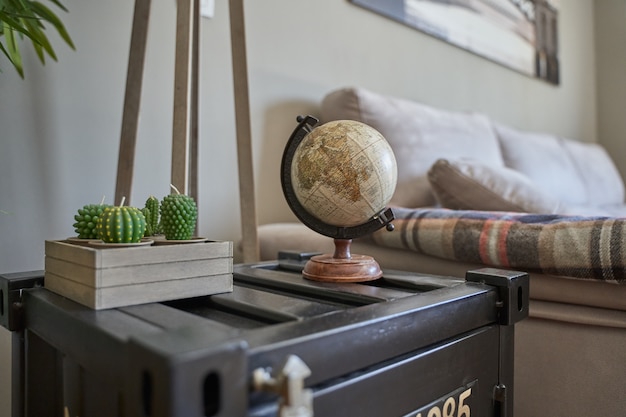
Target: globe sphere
<point x="344" y="173"/>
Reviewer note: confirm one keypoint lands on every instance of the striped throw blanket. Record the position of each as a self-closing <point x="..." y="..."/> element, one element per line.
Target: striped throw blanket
<point x="579" y="247"/>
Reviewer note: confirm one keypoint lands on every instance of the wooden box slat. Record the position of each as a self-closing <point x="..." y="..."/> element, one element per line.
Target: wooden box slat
<point x="136" y="274"/>
<point x="132" y="294"/>
<point x="109" y="258"/>
<point x="108" y="278"/>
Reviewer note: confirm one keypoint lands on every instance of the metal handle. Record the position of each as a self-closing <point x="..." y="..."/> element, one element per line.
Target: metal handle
<point x="295" y="400"/>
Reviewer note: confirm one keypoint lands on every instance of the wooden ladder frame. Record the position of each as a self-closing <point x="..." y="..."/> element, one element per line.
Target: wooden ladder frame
<point x="184" y="169"/>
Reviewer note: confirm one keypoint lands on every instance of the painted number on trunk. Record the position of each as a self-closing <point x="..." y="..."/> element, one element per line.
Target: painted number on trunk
<point x="455" y="404"/>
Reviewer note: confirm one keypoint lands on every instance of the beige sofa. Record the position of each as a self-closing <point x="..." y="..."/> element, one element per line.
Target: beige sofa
<point x="466" y="181"/>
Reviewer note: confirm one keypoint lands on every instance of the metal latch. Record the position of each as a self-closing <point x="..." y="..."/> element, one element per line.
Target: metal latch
<point x="295" y="401"/>
<point x="11" y="286"/>
<point x="500" y="401"/>
<point x="513" y="292"/>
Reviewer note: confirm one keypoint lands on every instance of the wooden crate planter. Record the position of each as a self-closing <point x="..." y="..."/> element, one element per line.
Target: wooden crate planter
<point x="109" y="278"/>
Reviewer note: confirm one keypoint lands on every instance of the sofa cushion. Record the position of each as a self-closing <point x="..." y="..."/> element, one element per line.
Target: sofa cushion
<point x="577" y="173"/>
<point x="573" y="246"/>
<point x="471" y="185"/>
<point x="602" y="181"/>
<point x="418" y="134"/>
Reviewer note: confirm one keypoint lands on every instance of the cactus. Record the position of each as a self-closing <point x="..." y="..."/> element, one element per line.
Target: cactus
<point x="121" y="224"/>
<point x="147" y="214"/>
<point x="87" y="218"/>
<point x="151" y="213"/>
<point x="178" y="216"/>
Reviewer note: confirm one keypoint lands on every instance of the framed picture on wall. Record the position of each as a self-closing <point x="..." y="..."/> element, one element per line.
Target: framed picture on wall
<point x="519" y="34"/>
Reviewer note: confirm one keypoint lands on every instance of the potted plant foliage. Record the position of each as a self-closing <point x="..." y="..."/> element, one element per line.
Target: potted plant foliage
<point x="28" y="18"/>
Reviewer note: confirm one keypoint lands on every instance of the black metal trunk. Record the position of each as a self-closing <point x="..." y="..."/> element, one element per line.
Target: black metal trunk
<point x="278" y="345"/>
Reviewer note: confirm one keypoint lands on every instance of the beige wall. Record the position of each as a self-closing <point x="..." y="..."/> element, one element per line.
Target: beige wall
<point x="610" y="26"/>
<point x="60" y="127"/>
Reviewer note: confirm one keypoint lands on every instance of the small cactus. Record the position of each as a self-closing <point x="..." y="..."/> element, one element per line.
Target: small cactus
<point x="121" y="224"/>
<point x="178" y="216"/>
<point x="147" y="214"/>
<point x="151" y="213"/>
<point x="87" y="218"/>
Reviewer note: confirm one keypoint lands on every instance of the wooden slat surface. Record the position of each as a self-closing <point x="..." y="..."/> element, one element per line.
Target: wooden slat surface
<point x="132" y="294"/>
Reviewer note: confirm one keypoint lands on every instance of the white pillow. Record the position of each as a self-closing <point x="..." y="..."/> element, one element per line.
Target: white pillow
<point x="471" y="185"/>
<point x="418" y="134"/>
<point x="543" y="159"/>
<point x="603" y="183"/>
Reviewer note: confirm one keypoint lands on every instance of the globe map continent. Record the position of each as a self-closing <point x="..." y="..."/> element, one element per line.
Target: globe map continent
<point x="344" y="173"/>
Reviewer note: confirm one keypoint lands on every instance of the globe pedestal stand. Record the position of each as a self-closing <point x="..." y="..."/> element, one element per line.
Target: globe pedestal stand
<point x="342" y="266"/>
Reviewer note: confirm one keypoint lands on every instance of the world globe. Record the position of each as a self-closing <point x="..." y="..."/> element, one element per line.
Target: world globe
<point x="343" y="173"/>
<point x="338" y="179"/>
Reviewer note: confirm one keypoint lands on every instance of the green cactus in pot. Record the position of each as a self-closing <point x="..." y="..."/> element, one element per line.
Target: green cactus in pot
<point x="87" y="218"/>
<point x="179" y="214"/>
<point x="151" y="213"/>
<point x="121" y="224"/>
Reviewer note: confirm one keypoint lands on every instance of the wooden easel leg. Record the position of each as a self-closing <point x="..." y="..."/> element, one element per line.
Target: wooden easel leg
<point x="132" y="99"/>
<point x="195" y="100"/>
<point x="250" y="244"/>
<point x="184" y="174"/>
<point x="182" y="87"/>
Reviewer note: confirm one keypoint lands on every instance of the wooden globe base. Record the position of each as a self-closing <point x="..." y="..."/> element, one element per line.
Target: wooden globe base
<point x="342" y="266"/>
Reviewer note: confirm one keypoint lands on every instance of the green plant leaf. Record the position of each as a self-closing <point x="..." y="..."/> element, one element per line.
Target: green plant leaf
<point x="59" y="5"/>
<point x="39" y="50"/>
<point x="38" y="37"/>
<point x="4" y="50"/>
<point x="12" y="23"/>
<point x="26" y="18"/>
<point x="13" y="49"/>
<point x="48" y="15"/>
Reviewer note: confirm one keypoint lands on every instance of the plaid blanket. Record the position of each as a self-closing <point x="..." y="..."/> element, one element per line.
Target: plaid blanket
<point x="579" y="247"/>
